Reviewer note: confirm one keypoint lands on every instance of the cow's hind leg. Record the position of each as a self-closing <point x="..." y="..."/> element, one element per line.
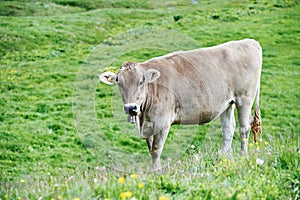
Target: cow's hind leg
<point x="228" y="126"/>
<point x="244" y="118"/>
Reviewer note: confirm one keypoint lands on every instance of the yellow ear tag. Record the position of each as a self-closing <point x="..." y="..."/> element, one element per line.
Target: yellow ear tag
<point x="110" y="79"/>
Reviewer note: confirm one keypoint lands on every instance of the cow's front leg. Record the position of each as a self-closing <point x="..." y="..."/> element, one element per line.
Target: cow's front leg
<point x="149" y="143"/>
<point x="157" y="147"/>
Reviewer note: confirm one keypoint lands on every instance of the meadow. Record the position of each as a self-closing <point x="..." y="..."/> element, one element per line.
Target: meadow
<point x="64" y="136"/>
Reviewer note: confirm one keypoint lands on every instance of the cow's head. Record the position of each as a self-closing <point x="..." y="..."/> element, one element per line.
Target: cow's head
<point x="132" y="81"/>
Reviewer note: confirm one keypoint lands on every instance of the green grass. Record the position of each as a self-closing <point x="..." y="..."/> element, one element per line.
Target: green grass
<point x="47" y="48"/>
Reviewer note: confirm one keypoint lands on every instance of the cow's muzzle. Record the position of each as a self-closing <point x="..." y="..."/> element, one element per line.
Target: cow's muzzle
<point x="132" y="109"/>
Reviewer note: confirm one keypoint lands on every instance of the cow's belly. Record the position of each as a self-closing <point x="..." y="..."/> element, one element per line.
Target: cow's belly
<point x="196" y="118"/>
<point x="193" y="112"/>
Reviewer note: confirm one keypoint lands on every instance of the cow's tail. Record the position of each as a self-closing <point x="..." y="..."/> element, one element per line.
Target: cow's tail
<point x="256" y="121"/>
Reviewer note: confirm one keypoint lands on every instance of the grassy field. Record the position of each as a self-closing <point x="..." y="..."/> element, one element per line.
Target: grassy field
<point x="60" y="130"/>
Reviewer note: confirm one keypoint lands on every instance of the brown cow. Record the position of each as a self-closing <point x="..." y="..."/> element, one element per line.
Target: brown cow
<point x="193" y="87"/>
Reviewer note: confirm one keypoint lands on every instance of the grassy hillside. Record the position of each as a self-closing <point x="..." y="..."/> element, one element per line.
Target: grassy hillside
<point x="59" y="127"/>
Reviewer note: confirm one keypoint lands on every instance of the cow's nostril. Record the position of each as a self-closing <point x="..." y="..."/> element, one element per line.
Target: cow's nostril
<point x="134" y="108"/>
<point x="131" y="109"/>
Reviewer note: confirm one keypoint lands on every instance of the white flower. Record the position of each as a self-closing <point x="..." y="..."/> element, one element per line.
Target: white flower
<point x="259" y="161"/>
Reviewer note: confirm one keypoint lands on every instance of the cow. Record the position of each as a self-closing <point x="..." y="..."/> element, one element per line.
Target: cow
<point x="193" y="87"/>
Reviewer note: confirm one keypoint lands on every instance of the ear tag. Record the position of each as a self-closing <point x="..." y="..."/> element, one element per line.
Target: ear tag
<point x="110" y="79"/>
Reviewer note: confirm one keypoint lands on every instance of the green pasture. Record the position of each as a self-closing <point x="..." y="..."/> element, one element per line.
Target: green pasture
<point x="63" y="134"/>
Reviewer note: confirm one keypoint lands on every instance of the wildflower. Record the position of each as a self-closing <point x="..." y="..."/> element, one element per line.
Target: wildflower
<point x="192" y="146"/>
<point x="59" y="197"/>
<point x="121" y="180"/>
<point x="107" y="199"/>
<point x="134" y="176"/>
<point x="196" y="158"/>
<point x="103" y="169"/>
<point x="6" y="196"/>
<point x="251" y="144"/>
<point x="141" y="185"/>
<point x="124" y="195"/>
<point x="76" y="198"/>
<point x="95" y="180"/>
<point x="245" y="139"/>
<point x="22" y="181"/>
<point x="52" y="199"/>
<point x="19" y="198"/>
<point x="164" y="198"/>
<point x="266" y="143"/>
<point x="260" y="161"/>
<point x="257" y="148"/>
<point x="128" y="194"/>
<point x="179" y="163"/>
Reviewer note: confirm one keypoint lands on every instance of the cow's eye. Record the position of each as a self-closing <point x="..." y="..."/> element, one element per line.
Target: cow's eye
<point x="140" y="83"/>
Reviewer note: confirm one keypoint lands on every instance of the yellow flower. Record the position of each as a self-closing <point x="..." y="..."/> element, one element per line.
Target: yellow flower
<point x="245" y="139"/>
<point x="122" y="195"/>
<point x="164" y="198"/>
<point x="76" y="198"/>
<point x="107" y="199"/>
<point x="52" y="199"/>
<point x="19" y="198"/>
<point x="134" y="176"/>
<point x="59" y="197"/>
<point x="251" y="144"/>
<point x="22" y="181"/>
<point x="121" y="180"/>
<point x="266" y="143"/>
<point x="257" y="148"/>
<point x="128" y="194"/>
<point x="6" y="196"/>
<point x="141" y="185"/>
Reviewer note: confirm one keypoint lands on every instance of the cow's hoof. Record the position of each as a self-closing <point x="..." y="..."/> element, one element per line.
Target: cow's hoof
<point x="226" y="154"/>
<point x="244" y="154"/>
<point x="156" y="168"/>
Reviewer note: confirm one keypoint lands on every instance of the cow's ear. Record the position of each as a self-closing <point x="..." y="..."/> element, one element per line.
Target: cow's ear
<point x="151" y="75"/>
<point x="108" y="78"/>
